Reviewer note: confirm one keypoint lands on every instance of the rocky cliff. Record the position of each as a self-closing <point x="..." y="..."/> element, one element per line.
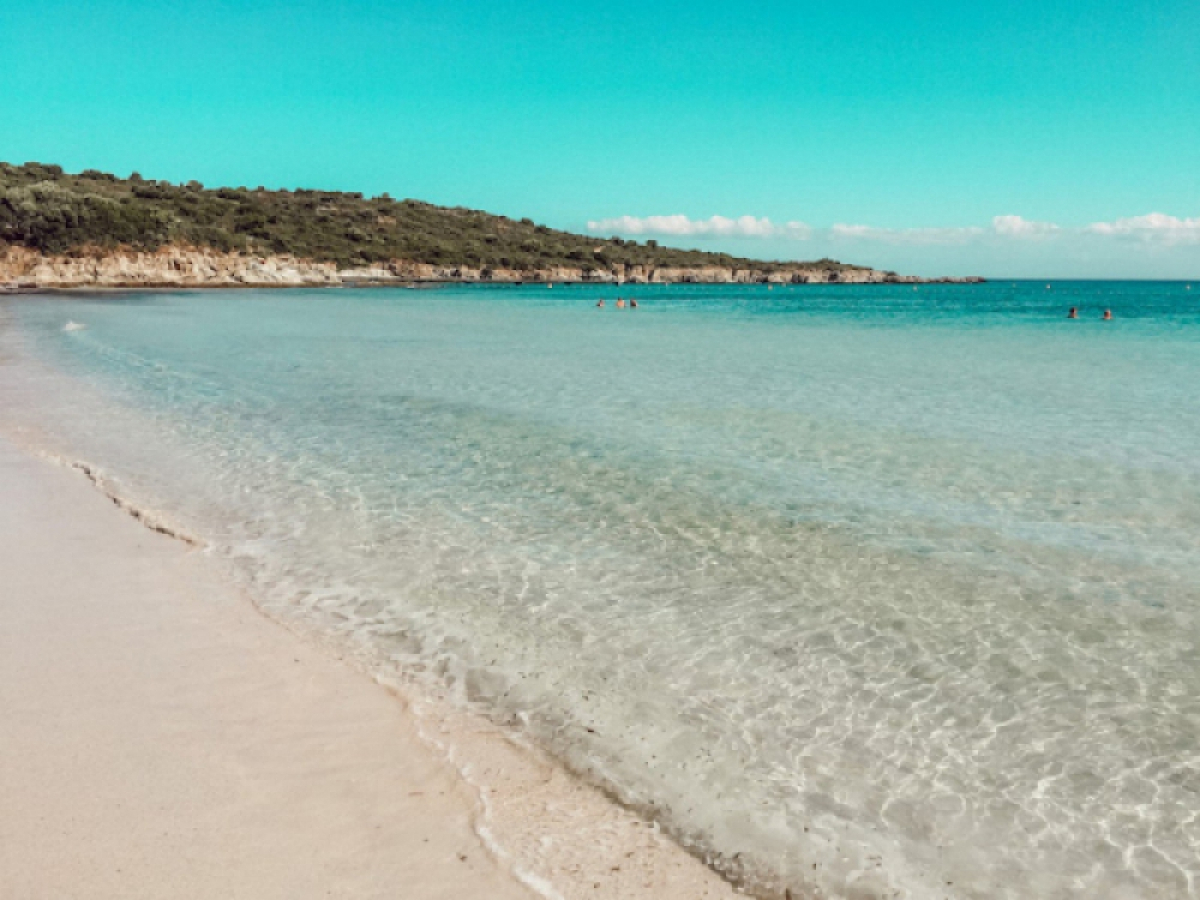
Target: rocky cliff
<point x="183" y="267"/>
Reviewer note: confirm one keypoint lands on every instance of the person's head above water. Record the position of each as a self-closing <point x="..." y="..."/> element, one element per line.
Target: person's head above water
<point x="1107" y="315"/>
<point x="601" y="302"/>
<point x="1073" y="313"/>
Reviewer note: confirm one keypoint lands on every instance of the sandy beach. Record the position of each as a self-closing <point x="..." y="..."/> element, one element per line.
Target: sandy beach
<point x="163" y="739"/>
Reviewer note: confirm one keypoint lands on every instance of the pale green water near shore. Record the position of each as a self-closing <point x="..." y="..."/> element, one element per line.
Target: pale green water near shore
<point x="879" y="591"/>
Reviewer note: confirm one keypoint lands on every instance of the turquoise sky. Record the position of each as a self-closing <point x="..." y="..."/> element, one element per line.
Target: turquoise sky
<point x="860" y="120"/>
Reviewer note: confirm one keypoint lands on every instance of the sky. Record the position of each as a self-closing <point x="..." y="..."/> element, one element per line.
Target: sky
<point x="1005" y="138"/>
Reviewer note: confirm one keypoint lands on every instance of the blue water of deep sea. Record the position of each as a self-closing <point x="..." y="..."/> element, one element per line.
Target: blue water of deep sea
<point x="866" y="590"/>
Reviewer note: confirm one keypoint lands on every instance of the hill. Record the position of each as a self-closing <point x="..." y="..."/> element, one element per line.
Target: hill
<point x="59" y="218"/>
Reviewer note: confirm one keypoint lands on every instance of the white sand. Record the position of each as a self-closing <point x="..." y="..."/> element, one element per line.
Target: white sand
<point x="159" y="738"/>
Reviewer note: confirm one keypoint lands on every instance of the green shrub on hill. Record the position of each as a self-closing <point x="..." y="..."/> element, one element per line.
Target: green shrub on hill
<point x="45" y="209"/>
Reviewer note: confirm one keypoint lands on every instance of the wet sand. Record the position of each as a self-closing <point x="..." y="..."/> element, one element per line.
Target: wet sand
<point x="162" y="738"/>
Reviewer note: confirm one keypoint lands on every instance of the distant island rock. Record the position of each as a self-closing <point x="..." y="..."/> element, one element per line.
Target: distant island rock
<point x="96" y="230"/>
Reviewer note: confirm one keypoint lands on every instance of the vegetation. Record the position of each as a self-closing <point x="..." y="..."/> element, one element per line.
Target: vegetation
<point x="43" y="208"/>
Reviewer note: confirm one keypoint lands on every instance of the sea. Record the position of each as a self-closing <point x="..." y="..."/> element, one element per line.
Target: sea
<point x="856" y="591"/>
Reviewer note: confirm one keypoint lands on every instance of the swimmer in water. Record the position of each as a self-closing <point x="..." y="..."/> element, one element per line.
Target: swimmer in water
<point x="632" y="303"/>
<point x="600" y="305"/>
<point x="620" y="303"/>
<point x="1073" y="313"/>
<point x="1108" y="315"/>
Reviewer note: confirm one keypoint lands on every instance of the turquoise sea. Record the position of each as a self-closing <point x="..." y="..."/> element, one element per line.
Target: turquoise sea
<point x="866" y="591"/>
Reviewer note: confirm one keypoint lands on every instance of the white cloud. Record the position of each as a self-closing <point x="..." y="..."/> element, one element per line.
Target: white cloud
<point x="905" y="235"/>
<point x="1152" y="227"/>
<point x="1157" y="227"/>
<point x="717" y="226"/>
<point x="1018" y="227"/>
<point x="1002" y="226"/>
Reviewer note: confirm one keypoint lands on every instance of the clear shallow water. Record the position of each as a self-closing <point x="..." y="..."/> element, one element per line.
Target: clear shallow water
<point x="866" y="590"/>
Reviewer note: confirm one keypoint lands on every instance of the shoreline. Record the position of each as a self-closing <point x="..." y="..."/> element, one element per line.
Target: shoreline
<point x="509" y="821"/>
<point x="172" y="266"/>
<point x="167" y="287"/>
<point x="660" y="619"/>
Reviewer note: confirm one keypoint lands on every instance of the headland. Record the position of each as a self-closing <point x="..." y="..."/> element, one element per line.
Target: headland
<point x="94" y="230"/>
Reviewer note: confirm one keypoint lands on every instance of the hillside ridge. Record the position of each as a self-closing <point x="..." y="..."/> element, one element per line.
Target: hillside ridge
<point x="95" y="229"/>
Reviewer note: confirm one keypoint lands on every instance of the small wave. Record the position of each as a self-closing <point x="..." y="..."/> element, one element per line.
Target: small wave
<point x="146" y="517"/>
